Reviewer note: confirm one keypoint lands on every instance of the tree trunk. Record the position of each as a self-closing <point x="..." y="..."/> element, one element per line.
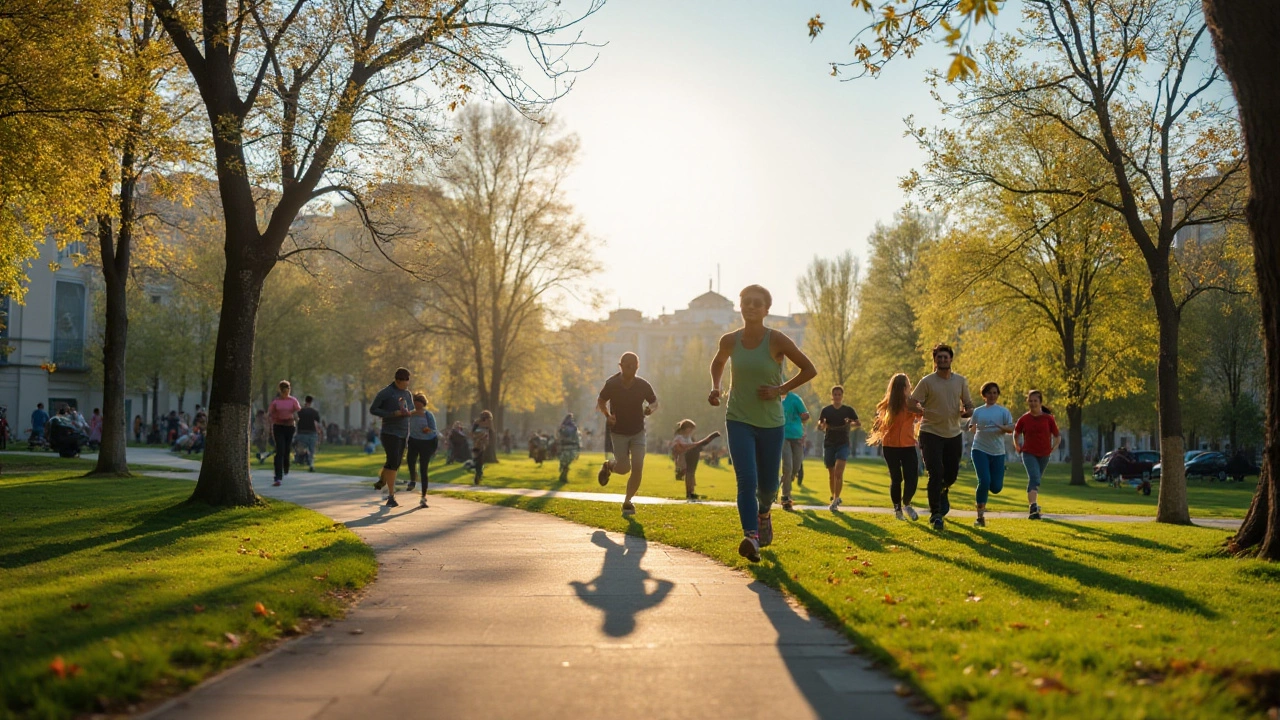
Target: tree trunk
<point x="224" y="473"/>
<point x="112" y="454"/>
<point x="499" y="416"/>
<point x="1244" y="33"/>
<point x="1172" y="504"/>
<point x="1075" y="443"/>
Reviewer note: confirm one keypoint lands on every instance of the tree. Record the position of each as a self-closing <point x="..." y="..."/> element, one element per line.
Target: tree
<point x="311" y="100"/>
<point x="505" y="242"/>
<point x="886" y="329"/>
<point x="1042" y="278"/>
<point x="829" y="290"/>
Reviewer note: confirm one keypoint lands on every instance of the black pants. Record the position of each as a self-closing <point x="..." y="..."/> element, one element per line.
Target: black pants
<point x="942" y="462"/>
<point x="421" y="452"/>
<point x="283" y="435"/>
<point x="904" y="473"/>
<point x="477" y="457"/>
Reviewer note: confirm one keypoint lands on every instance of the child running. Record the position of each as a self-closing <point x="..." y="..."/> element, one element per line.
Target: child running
<point x="894" y="428"/>
<point x="688" y="452"/>
<point x="990" y="423"/>
<point x="1035" y="437"/>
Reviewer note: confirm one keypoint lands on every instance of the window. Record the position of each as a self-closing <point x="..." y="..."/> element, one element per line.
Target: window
<point x="68" y="325"/>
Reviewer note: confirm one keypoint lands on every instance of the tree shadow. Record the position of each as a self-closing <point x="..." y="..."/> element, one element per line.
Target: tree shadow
<point x="1116" y="537"/>
<point x="620" y="591"/>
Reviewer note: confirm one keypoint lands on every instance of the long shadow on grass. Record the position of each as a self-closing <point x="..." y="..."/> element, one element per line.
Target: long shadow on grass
<point x="1115" y="537"/>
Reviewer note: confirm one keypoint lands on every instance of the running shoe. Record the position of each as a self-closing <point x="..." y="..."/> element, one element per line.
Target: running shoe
<point x="412" y="484"/>
<point x="749" y="548"/>
<point x="835" y="505"/>
<point x="937" y="522"/>
<point x="311" y="468"/>
<point x="946" y="500"/>
<point x="628" y="509"/>
<point x="980" y="522"/>
<point x="379" y="484"/>
<point x="391" y="502"/>
<point x="423" y="502"/>
<point x="603" y="476"/>
<point x="911" y="512"/>
<point x="276" y="483"/>
<point x="1035" y="512"/>
<point x="692" y="497"/>
<point x="766" y="530"/>
<point x="897" y="512"/>
<point x="787" y="504"/>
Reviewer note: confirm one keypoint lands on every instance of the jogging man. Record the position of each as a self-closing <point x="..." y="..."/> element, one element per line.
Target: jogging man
<point x="623" y="401"/>
<point x="836" y="420"/>
<point x="943" y="398"/>
<point x="309" y="430"/>
<point x="795" y="415"/>
<point x="394" y="404"/>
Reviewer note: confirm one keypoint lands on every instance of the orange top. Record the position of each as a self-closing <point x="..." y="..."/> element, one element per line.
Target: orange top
<point x="902" y="431"/>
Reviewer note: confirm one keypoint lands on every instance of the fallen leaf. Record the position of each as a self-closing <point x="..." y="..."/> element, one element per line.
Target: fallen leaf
<point x="889" y="599"/>
<point x="197" y="608"/>
<point x="1047" y="685"/>
<point x="356" y="631"/>
<point x="833" y="580"/>
<point x="885" y="573"/>
<point x="58" y="667"/>
<point x="973" y="598"/>
<point x="232" y="639"/>
<point x="1018" y="626"/>
<point x="1138" y="626"/>
<point x="968" y="670"/>
<point x="79" y="606"/>
<point x="866" y="563"/>
<point x="260" y="609"/>
<point x="321" y="578"/>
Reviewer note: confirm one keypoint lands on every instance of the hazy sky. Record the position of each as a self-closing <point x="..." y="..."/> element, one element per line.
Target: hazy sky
<point x="712" y="133"/>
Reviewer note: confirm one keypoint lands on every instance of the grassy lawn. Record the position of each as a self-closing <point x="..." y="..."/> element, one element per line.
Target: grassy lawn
<point x="140" y="595"/>
<point x="866" y="484"/>
<point x="1022" y="619"/>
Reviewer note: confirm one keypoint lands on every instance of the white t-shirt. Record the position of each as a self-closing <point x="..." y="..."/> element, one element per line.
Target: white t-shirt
<point x="988" y="438"/>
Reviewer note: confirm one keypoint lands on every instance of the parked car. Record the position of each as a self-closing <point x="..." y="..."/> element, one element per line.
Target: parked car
<point x="1217" y="466"/>
<point x="1125" y="464"/>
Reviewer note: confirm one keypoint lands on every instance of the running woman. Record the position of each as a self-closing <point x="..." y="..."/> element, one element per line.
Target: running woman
<point x="625" y="401"/>
<point x="688" y="452"/>
<point x="943" y="398"/>
<point x="422" y="443"/>
<point x="392" y="404"/>
<point x="1035" y="437"/>
<point x="836" y="420"/>
<point x="283" y="412"/>
<point x="794" y="416"/>
<point x="481" y="436"/>
<point x="895" y="429"/>
<point x="755" y="417"/>
<point x="990" y="423"/>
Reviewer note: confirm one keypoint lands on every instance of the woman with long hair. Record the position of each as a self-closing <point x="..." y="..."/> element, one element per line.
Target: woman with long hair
<point x="1035" y="437"/>
<point x="894" y="429"/>
<point x="990" y="423"/>
<point x="754" y="418"/>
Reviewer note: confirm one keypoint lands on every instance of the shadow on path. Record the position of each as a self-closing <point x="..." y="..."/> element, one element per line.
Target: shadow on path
<point x="620" y="590"/>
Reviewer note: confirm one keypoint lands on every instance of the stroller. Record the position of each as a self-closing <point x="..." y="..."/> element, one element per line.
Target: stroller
<point x="301" y="455"/>
<point x="65" y="438"/>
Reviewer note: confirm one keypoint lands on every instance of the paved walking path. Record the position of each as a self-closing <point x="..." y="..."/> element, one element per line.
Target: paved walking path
<point x="482" y="611"/>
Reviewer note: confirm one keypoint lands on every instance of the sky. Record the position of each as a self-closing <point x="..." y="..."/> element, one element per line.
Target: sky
<point x="712" y="134"/>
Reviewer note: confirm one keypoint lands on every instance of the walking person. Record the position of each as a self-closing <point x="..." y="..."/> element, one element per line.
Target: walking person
<point x="423" y="442"/>
<point x="754" y="418"/>
<point x="688" y="453"/>
<point x="137" y="429"/>
<point x="1035" y="437"/>
<point x="481" y="436"/>
<point x="39" y="418"/>
<point x="836" y="421"/>
<point x="943" y="398"/>
<point x="309" y="430"/>
<point x="894" y="428"/>
<point x="392" y="404"/>
<point x="283" y="413"/>
<point x="568" y="443"/>
<point x="794" y="416"/>
<point x="625" y="401"/>
<point x="990" y="423"/>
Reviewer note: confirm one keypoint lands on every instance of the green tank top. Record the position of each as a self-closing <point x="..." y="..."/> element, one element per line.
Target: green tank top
<point x="749" y="370"/>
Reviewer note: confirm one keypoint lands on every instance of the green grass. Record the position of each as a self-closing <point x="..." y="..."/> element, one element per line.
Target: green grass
<point x="866" y="484"/>
<point x="146" y="595"/>
<point x="1046" y="619"/>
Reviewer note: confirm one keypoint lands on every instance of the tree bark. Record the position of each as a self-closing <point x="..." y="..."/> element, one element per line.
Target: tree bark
<point x="1171" y="507"/>
<point x="1075" y="443"/>
<point x="224" y="474"/>
<point x="112" y="458"/>
<point x="1244" y="34"/>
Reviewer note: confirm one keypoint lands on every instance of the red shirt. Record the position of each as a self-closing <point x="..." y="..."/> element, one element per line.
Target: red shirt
<point x="1037" y="432"/>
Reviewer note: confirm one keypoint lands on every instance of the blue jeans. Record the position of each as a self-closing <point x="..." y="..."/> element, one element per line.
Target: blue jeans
<point x="1035" y="466"/>
<point x="990" y="470"/>
<point x="757" y="457"/>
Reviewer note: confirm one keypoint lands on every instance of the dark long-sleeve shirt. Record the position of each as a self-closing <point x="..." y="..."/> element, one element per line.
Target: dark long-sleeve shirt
<point x="386" y="403"/>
